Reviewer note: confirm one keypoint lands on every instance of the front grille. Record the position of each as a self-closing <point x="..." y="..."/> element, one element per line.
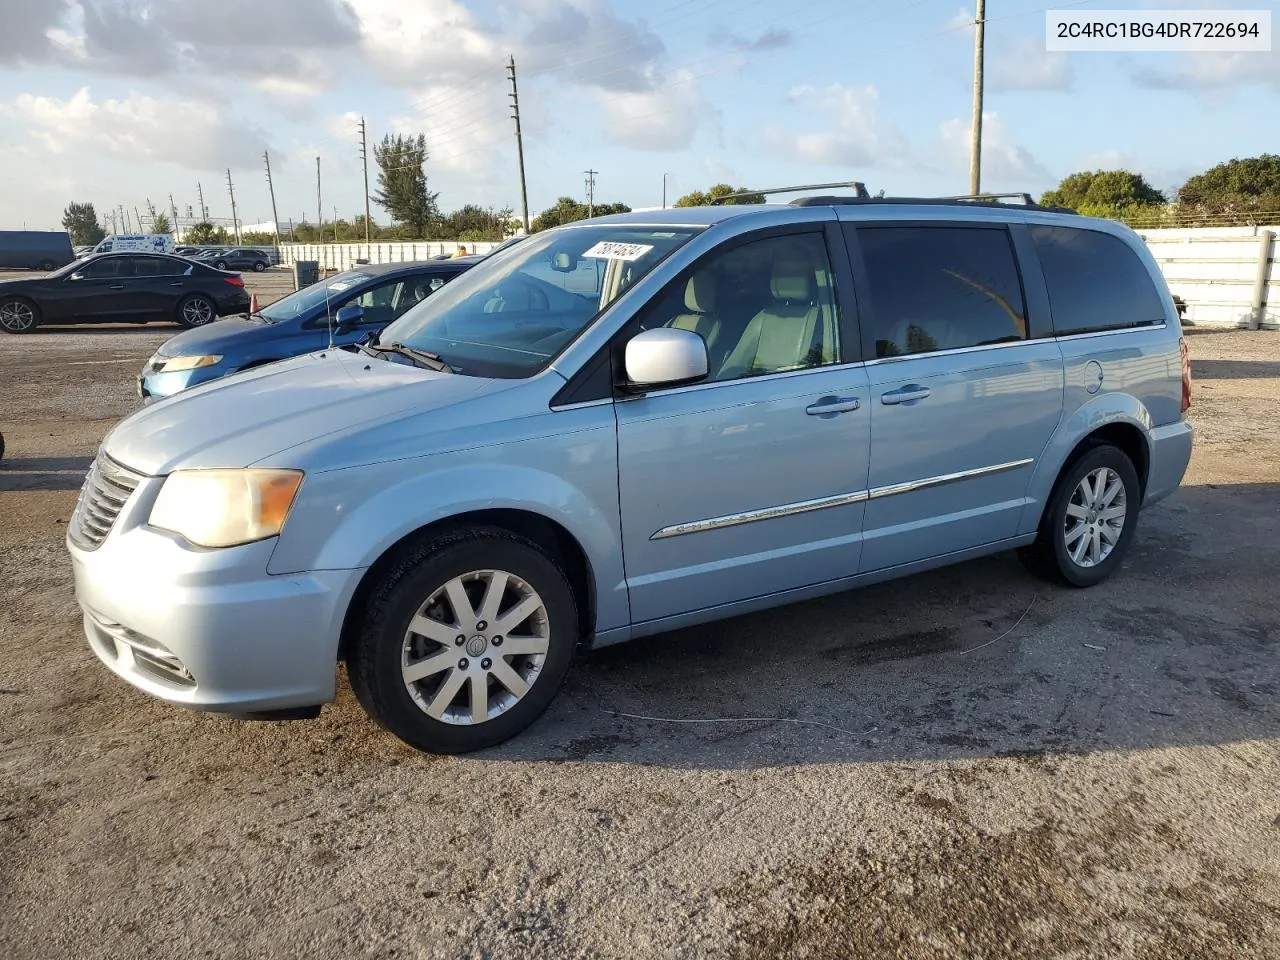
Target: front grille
<point x="105" y="491"/>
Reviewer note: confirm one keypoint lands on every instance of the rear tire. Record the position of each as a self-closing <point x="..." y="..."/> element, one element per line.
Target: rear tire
<point x="484" y="669"/>
<point x="259" y="267"/>
<point x="1090" y="519"/>
<point x="18" y="315"/>
<point x="196" y="311"/>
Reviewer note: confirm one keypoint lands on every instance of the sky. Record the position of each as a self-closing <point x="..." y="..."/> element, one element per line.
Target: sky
<point x="119" y="102"/>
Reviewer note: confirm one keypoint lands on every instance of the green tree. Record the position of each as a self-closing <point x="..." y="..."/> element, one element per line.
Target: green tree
<point x="159" y="223"/>
<point x="205" y="234"/>
<point x="1105" y="193"/>
<point x="700" y="199"/>
<point x="402" y="182"/>
<point x="81" y="221"/>
<point x="568" y="210"/>
<point x="1241" y="187"/>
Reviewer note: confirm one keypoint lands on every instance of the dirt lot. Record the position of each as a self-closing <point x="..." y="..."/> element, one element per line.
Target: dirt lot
<point x="1093" y="774"/>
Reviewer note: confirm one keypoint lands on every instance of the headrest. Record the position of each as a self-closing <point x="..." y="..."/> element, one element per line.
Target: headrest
<point x="792" y="279"/>
<point x="700" y="293"/>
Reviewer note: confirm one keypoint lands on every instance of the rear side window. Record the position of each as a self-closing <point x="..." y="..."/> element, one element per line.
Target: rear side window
<point x="942" y="288"/>
<point x="1096" y="282"/>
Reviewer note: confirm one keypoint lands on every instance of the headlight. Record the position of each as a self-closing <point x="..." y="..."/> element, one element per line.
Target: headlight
<point x="176" y="364"/>
<point x="224" y="508"/>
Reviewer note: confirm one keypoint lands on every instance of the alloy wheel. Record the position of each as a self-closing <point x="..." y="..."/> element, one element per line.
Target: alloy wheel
<point x="16" y="316"/>
<point x="197" y="312"/>
<point x="475" y="647"/>
<point x="1095" y="517"/>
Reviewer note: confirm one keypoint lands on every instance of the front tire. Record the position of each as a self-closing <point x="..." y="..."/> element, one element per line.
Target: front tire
<point x="18" y="315"/>
<point x="464" y="641"/>
<point x="196" y="311"/>
<point x="220" y="264"/>
<point x="259" y="267"/>
<point x="1090" y="520"/>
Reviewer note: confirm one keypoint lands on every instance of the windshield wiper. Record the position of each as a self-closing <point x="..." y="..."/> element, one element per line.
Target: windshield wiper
<point x="424" y="358"/>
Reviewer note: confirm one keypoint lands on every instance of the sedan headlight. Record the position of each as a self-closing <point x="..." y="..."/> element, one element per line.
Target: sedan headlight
<point x="177" y="364"/>
<point x="224" y="508"/>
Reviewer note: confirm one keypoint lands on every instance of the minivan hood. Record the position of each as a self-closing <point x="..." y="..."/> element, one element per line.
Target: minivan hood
<point x="214" y="338"/>
<point x="239" y="420"/>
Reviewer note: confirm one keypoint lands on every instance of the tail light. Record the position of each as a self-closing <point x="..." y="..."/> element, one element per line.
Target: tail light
<point x="234" y="281"/>
<point x="1186" y="374"/>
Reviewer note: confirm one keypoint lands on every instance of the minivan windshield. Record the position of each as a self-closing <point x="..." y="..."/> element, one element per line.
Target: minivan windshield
<point x="304" y="300"/>
<point x="507" y="316"/>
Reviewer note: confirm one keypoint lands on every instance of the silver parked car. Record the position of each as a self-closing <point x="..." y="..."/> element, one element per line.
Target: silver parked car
<point x="627" y="425"/>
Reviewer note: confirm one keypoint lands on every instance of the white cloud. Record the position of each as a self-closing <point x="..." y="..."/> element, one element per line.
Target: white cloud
<point x="962" y="18"/>
<point x="27" y="26"/>
<point x="665" y="118"/>
<point x="1211" y="72"/>
<point x="857" y="138"/>
<point x="1108" y="160"/>
<point x="1005" y="164"/>
<point x="1026" y="65"/>
<point x="192" y="134"/>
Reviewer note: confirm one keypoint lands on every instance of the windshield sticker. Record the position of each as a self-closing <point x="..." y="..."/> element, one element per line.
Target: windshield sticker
<point x="608" y="250"/>
<point x="339" y="285"/>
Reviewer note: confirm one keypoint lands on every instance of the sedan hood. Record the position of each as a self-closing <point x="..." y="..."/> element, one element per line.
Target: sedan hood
<point x="216" y="338"/>
<point x="237" y="421"/>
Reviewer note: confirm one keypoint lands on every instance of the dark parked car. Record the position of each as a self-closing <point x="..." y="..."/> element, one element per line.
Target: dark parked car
<point x="35" y="249"/>
<point x="122" y="288"/>
<point x="353" y="304"/>
<point x="240" y="258"/>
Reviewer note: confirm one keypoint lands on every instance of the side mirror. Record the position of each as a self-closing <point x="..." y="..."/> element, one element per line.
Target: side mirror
<point x="564" y="263"/>
<point x="76" y="276"/>
<point x="348" y="317"/>
<point x="665" y="357"/>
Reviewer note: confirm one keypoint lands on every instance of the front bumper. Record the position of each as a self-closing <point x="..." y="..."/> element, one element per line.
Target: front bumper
<point x="156" y="386"/>
<point x="209" y="629"/>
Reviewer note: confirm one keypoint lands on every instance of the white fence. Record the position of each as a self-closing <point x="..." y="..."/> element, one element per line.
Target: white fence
<point x="1225" y="274"/>
<point x="343" y="256"/>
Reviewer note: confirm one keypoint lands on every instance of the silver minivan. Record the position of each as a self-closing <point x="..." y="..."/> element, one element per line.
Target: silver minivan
<point x="627" y="425"/>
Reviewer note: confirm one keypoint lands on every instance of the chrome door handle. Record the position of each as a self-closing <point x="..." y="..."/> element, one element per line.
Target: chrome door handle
<point x="908" y="394"/>
<point x="177" y="283"/>
<point x="828" y="405"/>
<point x="116" y="286"/>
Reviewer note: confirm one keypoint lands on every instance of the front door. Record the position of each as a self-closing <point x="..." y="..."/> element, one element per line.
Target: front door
<point x="963" y="397"/>
<point x="753" y="481"/>
<point x="95" y="292"/>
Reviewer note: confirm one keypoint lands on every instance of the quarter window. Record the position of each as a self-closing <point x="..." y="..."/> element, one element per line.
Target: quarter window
<point x="1095" y="281"/>
<point x="766" y="306"/>
<point x="942" y="288"/>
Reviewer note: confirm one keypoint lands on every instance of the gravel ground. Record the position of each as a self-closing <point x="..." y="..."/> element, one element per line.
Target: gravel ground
<point x="978" y="765"/>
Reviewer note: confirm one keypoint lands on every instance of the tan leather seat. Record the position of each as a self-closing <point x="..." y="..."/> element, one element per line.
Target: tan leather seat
<point x="700" y="316"/>
<point x="781" y="336"/>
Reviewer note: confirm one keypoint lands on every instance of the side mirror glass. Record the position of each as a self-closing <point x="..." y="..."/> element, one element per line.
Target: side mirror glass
<point x="348" y="317"/>
<point x="665" y="357"/>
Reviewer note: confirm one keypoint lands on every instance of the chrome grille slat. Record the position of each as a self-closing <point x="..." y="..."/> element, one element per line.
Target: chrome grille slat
<point x="106" y="490"/>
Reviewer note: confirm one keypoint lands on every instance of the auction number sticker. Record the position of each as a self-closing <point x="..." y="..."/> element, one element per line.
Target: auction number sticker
<point x="1226" y="31"/>
<point x="610" y="250"/>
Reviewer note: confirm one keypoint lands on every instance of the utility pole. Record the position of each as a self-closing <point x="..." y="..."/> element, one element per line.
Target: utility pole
<point x="364" y="159"/>
<point x="139" y="216"/>
<point x="975" y="148"/>
<point x="591" y="192"/>
<point x="275" y="217"/>
<point x="515" y="115"/>
<point x="123" y="222"/>
<point x="173" y="208"/>
<point x="235" y="224"/>
<point x="204" y="211"/>
<point x="664" y="191"/>
<point x="319" y="208"/>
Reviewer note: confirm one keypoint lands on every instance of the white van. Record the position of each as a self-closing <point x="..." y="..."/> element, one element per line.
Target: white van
<point x="137" y="243"/>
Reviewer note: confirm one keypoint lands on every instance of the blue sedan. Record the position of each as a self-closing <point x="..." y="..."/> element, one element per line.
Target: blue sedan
<point x="352" y="305"/>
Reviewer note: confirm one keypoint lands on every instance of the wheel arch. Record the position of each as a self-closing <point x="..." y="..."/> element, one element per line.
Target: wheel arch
<point x="1118" y="419"/>
<point x="547" y="533"/>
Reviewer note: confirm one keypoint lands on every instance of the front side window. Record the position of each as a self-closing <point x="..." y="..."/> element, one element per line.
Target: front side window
<point x="766" y="306"/>
<point x="942" y="288"/>
<point x="104" y="269"/>
<point x="1096" y="282"/>
<point x="509" y="315"/>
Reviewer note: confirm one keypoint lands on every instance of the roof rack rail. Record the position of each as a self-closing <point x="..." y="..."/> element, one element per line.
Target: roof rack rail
<point x="1024" y="197"/>
<point x="856" y="186"/>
